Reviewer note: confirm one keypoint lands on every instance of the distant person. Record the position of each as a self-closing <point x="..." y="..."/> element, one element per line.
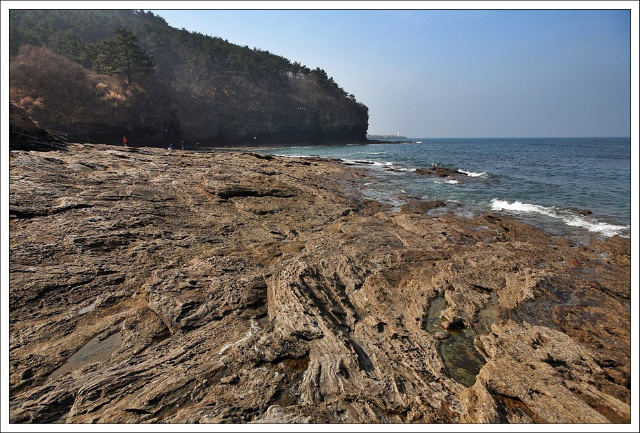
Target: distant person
<point x="182" y="144"/>
<point x="171" y="146"/>
<point x="125" y="141"/>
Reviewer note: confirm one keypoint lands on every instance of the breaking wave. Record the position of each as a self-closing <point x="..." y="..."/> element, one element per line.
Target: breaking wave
<point x="568" y="217"/>
<point x="474" y="174"/>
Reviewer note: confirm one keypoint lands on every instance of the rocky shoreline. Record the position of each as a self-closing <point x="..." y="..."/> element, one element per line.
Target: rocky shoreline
<point x="150" y="286"/>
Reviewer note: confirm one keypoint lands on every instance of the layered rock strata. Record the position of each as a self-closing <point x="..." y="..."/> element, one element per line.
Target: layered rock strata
<point x="150" y="286"/>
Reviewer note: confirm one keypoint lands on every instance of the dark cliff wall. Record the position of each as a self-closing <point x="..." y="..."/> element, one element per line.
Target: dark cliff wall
<point x="202" y="88"/>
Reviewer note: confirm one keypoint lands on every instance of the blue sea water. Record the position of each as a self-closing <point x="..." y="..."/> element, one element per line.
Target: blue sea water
<point x="547" y="182"/>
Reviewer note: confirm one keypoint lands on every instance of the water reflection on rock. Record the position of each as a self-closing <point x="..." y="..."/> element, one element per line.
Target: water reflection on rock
<point x="94" y="351"/>
<point x="461" y="358"/>
<point x="457" y="346"/>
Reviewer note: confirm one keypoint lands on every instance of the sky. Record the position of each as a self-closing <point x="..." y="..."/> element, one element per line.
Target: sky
<point x="490" y="72"/>
<point x="443" y="69"/>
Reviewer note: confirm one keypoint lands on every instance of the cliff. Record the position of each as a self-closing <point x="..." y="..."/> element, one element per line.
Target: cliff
<point x="152" y="286"/>
<point x="200" y="88"/>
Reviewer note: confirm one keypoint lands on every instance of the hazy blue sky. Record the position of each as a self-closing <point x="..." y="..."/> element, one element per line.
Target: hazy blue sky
<point x="452" y="73"/>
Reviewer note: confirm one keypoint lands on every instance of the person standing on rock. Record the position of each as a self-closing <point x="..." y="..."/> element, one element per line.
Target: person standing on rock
<point x="124" y="141"/>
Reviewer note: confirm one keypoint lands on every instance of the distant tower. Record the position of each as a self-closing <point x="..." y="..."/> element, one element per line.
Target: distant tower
<point x="398" y="133"/>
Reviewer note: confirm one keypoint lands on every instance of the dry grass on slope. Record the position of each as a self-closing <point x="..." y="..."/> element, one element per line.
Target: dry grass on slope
<point x="53" y="89"/>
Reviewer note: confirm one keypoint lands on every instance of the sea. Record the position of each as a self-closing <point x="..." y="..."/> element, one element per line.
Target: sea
<point x="575" y="187"/>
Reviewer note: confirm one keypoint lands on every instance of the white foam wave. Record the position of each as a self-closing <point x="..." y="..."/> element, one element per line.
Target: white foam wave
<point x="518" y="206"/>
<point x="379" y="163"/>
<point x="595" y="226"/>
<point x="474" y="173"/>
<point x="295" y="156"/>
<point x="372" y="163"/>
<point x="448" y="181"/>
<point x="568" y="218"/>
<point x="358" y="161"/>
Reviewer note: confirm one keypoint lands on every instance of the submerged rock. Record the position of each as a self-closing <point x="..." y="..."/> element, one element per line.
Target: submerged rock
<point x="267" y="290"/>
<point x="419" y="206"/>
<point x="436" y="170"/>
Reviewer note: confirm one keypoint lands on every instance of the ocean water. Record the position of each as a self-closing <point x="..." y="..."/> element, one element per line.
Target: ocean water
<point x="547" y="182"/>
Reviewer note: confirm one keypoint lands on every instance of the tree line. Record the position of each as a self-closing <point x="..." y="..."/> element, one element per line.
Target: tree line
<point x="114" y="41"/>
<point x="210" y="81"/>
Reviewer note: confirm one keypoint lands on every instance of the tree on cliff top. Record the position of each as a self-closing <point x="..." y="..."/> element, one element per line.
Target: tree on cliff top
<point x="123" y="55"/>
<point x="221" y="91"/>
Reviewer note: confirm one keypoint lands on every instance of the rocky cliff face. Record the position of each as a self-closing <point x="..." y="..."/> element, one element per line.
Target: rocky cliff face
<point x="203" y="89"/>
<point x="182" y="287"/>
<point x="90" y="107"/>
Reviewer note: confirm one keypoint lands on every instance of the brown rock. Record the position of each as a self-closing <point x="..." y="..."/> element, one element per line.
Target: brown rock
<point x="223" y="287"/>
<point x="421" y="206"/>
<point x="440" y="171"/>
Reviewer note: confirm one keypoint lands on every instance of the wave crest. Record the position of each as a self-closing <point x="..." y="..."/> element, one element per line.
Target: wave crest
<point x="569" y="218"/>
<point x="474" y="173"/>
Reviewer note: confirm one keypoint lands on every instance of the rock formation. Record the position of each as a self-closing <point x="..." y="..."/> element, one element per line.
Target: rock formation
<point x="202" y="89"/>
<point x="158" y="286"/>
<point x="25" y="134"/>
<point x="440" y="172"/>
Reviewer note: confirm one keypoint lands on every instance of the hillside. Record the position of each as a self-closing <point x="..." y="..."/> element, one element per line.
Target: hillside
<point x="25" y="134"/>
<point x="193" y="87"/>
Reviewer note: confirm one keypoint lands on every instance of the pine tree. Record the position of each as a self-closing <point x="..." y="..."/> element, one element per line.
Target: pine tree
<point x="123" y="55"/>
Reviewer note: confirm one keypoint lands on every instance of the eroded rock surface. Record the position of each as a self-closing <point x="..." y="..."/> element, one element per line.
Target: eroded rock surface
<point x="183" y="287"/>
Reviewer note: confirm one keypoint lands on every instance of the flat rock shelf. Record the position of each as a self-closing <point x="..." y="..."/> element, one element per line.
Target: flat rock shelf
<point x="234" y="287"/>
